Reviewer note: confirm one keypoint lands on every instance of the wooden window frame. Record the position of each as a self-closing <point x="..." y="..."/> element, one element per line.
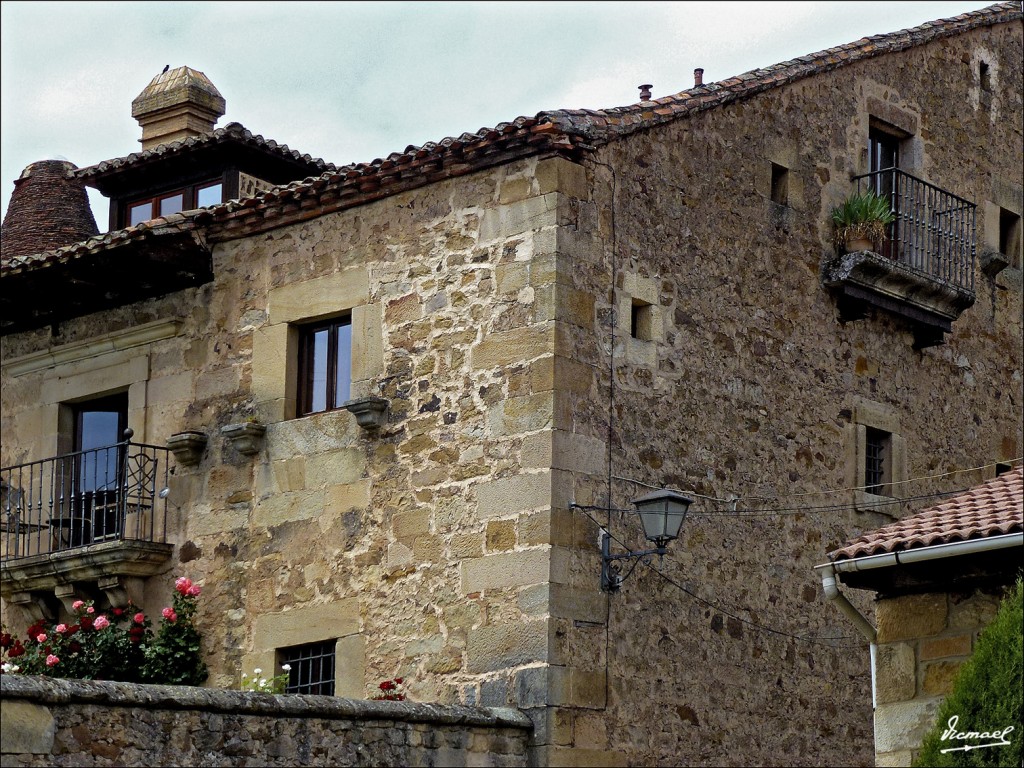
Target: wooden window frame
<point x="305" y="390"/>
<point x="189" y="195"/>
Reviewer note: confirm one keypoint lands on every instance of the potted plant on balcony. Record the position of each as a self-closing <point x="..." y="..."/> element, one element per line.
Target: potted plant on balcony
<point x="861" y="221"/>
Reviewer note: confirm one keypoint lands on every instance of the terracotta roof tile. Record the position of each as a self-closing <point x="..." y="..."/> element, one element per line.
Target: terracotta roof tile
<point x="235" y="132"/>
<point x="993" y="508"/>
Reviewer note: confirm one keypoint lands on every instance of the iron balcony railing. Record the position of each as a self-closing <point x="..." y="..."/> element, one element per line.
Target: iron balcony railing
<point x="83" y="498"/>
<point x="934" y="231"/>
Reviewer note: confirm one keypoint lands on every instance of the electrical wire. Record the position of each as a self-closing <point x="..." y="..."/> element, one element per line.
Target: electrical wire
<point x="825" y="641"/>
<point x="795" y="510"/>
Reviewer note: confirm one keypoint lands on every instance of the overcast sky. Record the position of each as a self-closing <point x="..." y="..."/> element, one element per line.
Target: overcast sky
<point x="353" y="81"/>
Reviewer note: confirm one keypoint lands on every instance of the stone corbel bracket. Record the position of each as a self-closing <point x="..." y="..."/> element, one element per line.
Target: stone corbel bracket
<point x="187" y="447"/>
<point x="247" y="437"/>
<point x="371" y="412"/>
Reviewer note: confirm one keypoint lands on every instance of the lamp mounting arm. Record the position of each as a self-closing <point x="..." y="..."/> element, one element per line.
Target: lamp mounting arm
<point x="611" y="574"/>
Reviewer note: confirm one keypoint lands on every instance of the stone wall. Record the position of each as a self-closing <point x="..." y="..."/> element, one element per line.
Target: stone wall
<point x="87" y="723"/>
<point x="922" y="642"/>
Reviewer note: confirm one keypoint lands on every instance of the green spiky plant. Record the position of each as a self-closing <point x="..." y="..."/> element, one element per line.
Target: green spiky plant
<point x="988" y="695"/>
<point x="862" y="216"/>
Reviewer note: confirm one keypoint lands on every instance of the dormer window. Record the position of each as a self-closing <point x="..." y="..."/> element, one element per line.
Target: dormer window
<point x="196" y="196"/>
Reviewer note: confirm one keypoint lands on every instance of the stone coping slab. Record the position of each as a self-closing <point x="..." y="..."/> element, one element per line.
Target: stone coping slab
<point x="42" y="690"/>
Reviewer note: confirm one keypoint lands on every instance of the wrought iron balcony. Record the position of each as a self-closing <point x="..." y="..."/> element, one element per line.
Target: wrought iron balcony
<point x="90" y="516"/>
<point x="924" y="270"/>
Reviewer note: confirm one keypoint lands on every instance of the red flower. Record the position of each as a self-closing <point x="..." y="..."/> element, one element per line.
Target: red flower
<point x="85" y="622"/>
<point x="16" y="650"/>
<point x="398" y="680"/>
<point x="5" y="640"/>
<point x="118" y="611"/>
<point x="74" y="646"/>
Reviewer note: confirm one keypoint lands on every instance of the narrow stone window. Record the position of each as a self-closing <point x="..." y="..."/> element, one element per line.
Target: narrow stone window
<point x="311" y="667"/>
<point x="985" y="76"/>
<point x="641" y="321"/>
<point x="877" y="449"/>
<point x="780" y="184"/>
<point x="1009" y="236"/>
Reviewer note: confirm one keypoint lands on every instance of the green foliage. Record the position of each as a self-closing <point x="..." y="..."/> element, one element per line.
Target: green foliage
<point x="113" y="645"/>
<point x="988" y="695"/>
<point x="863" y="215"/>
<point x="261" y="684"/>
<point x="173" y="657"/>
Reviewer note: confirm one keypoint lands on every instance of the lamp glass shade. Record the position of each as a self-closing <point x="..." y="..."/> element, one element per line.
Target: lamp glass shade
<point x="662" y="514"/>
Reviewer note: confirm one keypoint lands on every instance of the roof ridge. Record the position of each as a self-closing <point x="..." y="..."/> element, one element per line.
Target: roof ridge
<point x="233" y="130"/>
<point x="602" y="125"/>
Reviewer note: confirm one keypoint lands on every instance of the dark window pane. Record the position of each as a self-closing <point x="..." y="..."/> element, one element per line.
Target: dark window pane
<point x="172" y="204"/>
<point x="207" y="196"/>
<point x="312" y="668"/>
<point x="139" y="213"/>
<point x="343" y="370"/>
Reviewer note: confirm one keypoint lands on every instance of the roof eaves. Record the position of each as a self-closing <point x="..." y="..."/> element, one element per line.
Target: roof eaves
<point x="171" y="225"/>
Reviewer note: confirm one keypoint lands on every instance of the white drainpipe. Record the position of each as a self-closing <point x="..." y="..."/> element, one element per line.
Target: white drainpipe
<point x="830" y="577"/>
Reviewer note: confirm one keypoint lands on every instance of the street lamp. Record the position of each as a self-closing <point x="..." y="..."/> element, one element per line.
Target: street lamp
<point x="661" y="514"/>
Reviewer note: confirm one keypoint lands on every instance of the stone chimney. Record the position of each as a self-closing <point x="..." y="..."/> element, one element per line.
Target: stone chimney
<point x="176" y="105"/>
<point x="49" y="209"/>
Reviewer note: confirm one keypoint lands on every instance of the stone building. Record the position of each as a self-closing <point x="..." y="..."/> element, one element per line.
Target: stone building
<point x="939" y="575"/>
<point x="382" y="411"/>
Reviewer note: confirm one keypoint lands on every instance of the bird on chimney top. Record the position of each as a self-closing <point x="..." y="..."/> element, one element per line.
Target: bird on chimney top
<point x="166" y="67"/>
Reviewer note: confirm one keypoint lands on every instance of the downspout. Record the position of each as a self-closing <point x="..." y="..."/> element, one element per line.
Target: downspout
<point x="831" y="587"/>
<point x="830" y="575"/>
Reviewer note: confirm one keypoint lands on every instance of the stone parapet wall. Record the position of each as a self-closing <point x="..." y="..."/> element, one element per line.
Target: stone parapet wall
<point x="923" y="640"/>
<point x="47" y="722"/>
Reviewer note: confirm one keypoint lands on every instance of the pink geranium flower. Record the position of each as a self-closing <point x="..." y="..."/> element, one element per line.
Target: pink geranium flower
<point x="90" y="609"/>
<point x="62" y="628"/>
<point x="77" y="604"/>
<point x="140" y="617"/>
<point x="170" y="615"/>
<point x="41" y="638"/>
<point x="102" y="622"/>
<point x="193" y="591"/>
<point x="183" y="585"/>
<point x="52" y="660"/>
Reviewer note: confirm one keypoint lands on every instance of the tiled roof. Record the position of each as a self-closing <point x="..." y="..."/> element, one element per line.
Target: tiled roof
<point x="172" y="224"/>
<point x="232" y="132"/>
<point x="565" y="132"/>
<point x="993" y="508"/>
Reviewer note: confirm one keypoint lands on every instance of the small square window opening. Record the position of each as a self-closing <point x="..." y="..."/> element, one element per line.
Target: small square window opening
<point x="311" y="667"/>
<point x="780" y="184"/>
<point x="1009" y="236"/>
<point x="641" y="321"/>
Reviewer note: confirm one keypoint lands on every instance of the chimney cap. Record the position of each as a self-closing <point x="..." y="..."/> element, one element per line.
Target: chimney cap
<point x="645" y="91"/>
<point x="698" y="76"/>
<point x="177" y="104"/>
<point x="178" y="86"/>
